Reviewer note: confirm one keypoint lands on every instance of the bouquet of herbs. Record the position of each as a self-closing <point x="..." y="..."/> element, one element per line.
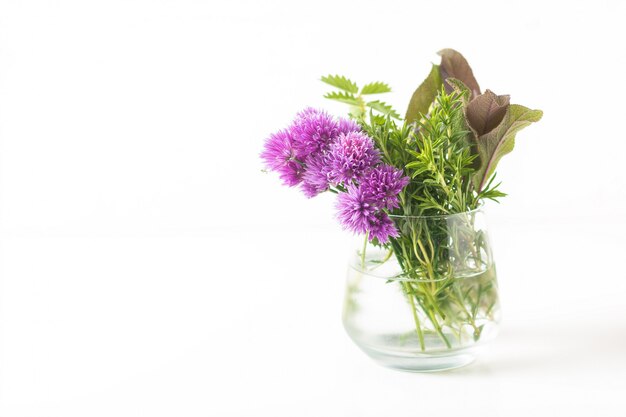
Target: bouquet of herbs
<point x="396" y="178"/>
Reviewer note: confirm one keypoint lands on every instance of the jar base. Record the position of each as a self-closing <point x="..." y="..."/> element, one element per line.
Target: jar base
<point x="422" y="362"/>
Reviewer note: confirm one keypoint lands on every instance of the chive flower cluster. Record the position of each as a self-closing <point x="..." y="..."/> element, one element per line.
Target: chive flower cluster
<point x="319" y="153"/>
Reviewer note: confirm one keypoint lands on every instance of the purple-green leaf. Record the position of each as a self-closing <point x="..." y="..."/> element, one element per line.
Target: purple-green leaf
<point x="485" y="112"/>
<point x="454" y="65"/>
<point x="424" y="95"/>
<point x="499" y="141"/>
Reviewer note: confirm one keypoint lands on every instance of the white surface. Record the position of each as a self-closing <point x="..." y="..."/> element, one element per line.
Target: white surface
<point x="149" y="268"/>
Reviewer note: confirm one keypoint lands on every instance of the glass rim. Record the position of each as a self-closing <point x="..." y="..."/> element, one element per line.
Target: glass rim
<point x="480" y="207"/>
<point x="401" y="277"/>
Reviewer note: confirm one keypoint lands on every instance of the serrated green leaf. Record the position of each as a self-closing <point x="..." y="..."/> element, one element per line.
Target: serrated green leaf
<point x="375" y="88"/>
<point x="424" y="95"/>
<point x="342" y="97"/>
<point x="383" y="108"/>
<point x="341" y="83"/>
<point x="501" y="140"/>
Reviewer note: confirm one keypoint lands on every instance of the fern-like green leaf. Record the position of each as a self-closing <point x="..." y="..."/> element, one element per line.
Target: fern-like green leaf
<point x="342" y="97"/>
<point x="341" y="83"/>
<point x="383" y="108"/>
<point x="376" y="88"/>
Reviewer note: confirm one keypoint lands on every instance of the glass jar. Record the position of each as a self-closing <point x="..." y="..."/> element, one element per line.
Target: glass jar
<point x="427" y="299"/>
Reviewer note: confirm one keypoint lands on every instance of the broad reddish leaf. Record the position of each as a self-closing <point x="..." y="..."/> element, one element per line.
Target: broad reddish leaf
<point x="454" y="65"/>
<point x="485" y="112"/>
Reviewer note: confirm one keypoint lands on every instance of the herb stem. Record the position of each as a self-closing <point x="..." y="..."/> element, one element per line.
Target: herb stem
<point x="418" y="327"/>
<point x="367" y="235"/>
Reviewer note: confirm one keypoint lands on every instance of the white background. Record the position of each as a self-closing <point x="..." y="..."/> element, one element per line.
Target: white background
<point x="149" y="268"/>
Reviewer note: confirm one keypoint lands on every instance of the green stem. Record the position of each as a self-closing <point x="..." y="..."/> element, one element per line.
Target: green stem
<point x="460" y="301"/>
<point x="438" y="328"/>
<point x="367" y="235"/>
<point x="387" y="257"/>
<point x="424" y="309"/>
<point x="418" y="328"/>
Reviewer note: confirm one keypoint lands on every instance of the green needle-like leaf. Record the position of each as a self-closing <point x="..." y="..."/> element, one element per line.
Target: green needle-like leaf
<point x="375" y="88"/>
<point x="341" y="83"/>
<point x="460" y="88"/>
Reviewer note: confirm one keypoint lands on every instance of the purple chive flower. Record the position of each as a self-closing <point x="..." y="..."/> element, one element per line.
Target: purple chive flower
<point x="280" y="156"/>
<point x="361" y="208"/>
<point x="382" y="228"/>
<point x="315" y="177"/>
<point x="383" y="184"/>
<point x="355" y="208"/>
<point x="347" y="126"/>
<point x="350" y="156"/>
<point x="359" y="213"/>
<point x="313" y="131"/>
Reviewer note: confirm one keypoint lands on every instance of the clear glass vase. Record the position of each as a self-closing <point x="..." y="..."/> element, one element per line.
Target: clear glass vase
<point x="429" y="298"/>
